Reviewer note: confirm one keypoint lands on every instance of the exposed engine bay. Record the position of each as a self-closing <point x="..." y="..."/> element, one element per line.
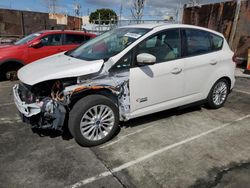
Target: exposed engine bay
<point x="54" y="98"/>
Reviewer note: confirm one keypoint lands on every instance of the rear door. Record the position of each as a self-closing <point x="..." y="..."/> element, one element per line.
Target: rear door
<point x="72" y="40"/>
<point x="51" y="44"/>
<point x="200" y="62"/>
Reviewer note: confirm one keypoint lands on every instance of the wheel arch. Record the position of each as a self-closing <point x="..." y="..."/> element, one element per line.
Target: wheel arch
<point x="104" y="92"/>
<point x="227" y="79"/>
<point x="6" y="65"/>
<point x="223" y="71"/>
<point x="14" y="61"/>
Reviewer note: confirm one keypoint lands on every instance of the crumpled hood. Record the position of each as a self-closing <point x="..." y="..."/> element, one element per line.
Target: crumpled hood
<point x="56" y="67"/>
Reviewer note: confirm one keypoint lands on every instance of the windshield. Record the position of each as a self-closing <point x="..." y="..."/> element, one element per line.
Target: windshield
<point x="108" y="44"/>
<point x="27" y="38"/>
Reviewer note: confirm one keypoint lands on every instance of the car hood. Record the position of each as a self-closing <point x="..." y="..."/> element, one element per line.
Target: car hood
<point x="4" y="46"/>
<point x="7" y="46"/>
<point x="56" y="67"/>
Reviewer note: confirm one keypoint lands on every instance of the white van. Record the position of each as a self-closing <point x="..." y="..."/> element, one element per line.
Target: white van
<point x="123" y="74"/>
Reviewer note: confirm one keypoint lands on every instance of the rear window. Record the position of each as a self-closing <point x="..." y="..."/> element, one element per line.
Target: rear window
<point x="87" y="37"/>
<point x="75" y="39"/>
<point x="198" y="42"/>
<point x="217" y="42"/>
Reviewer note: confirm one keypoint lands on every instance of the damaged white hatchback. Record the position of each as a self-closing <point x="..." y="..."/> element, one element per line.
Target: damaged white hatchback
<point x="122" y="74"/>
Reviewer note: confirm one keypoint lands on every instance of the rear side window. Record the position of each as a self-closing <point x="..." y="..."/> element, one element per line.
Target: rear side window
<point x="198" y="42"/>
<point x="74" y="39"/>
<point x="217" y="42"/>
<point x="52" y="40"/>
<point x="87" y="37"/>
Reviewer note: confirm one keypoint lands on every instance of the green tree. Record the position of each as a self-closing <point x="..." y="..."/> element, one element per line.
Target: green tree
<point x="106" y="16"/>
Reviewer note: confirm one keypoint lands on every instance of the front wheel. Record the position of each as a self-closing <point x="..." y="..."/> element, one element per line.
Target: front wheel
<point x="218" y="94"/>
<point x="94" y="120"/>
<point x="9" y="72"/>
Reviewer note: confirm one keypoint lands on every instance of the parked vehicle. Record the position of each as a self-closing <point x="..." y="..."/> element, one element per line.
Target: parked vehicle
<point x="36" y="46"/>
<point x="123" y="74"/>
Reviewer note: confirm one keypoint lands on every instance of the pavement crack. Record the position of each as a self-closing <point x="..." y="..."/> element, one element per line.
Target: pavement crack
<point x="109" y="169"/>
<point x="219" y="174"/>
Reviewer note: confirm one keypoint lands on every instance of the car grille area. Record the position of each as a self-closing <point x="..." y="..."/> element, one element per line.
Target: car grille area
<point x="25" y="93"/>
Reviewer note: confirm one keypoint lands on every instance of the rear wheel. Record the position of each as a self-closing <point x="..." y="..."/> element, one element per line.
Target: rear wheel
<point x="94" y="120"/>
<point x="218" y="94"/>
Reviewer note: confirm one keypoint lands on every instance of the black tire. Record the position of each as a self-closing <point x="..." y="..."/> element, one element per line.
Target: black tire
<point x="210" y="101"/>
<point x="78" y="111"/>
<point x="11" y="69"/>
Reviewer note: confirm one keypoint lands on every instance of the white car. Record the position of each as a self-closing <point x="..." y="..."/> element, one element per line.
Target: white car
<point x="122" y="74"/>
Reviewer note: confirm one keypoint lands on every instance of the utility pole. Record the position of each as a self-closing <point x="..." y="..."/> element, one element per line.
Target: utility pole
<point x="120" y="16"/>
<point x="99" y="22"/>
<point x="77" y="8"/>
<point x="179" y="12"/>
<point x="52" y="5"/>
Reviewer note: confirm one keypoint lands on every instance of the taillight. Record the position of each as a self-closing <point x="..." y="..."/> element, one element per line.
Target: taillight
<point x="234" y="58"/>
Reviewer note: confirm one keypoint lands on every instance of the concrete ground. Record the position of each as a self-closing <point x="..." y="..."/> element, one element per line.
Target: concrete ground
<point x="193" y="147"/>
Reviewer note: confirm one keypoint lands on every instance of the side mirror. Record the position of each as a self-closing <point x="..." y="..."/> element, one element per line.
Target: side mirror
<point x="145" y="59"/>
<point x="36" y="44"/>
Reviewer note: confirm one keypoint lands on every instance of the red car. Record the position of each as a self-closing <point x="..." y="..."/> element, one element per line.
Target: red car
<point x="36" y="46"/>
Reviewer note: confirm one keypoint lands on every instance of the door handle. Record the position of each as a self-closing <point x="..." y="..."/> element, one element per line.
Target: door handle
<point x="176" y="70"/>
<point x="213" y="62"/>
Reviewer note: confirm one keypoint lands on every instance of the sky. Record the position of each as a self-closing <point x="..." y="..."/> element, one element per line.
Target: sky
<point x="154" y="9"/>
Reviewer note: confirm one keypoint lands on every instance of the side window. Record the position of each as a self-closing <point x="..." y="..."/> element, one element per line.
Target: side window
<point x="52" y="40"/>
<point x="151" y="42"/>
<point x="124" y="63"/>
<point x="74" y="39"/>
<point x="217" y="42"/>
<point x="164" y="46"/>
<point x="87" y="37"/>
<point x="197" y="42"/>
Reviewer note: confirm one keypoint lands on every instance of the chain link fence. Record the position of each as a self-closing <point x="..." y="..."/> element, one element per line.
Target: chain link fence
<point x="100" y="28"/>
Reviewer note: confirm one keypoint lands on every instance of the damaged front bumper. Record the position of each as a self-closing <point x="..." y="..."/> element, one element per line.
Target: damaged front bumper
<point x="44" y="114"/>
<point x="27" y="110"/>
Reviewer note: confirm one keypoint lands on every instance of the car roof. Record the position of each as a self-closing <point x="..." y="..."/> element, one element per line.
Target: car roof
<point x="162" y="26"/>
<point x="65" y="31"/>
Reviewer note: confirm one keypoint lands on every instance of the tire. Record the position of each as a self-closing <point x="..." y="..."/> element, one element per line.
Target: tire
<point x="9" y="72"/>
<point x="94" y="120"/>
<point x="218" y="94"/>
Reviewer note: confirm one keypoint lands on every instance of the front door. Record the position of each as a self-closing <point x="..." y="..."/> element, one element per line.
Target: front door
<point x="159" y="86"/>
<point x="51" y="44"/>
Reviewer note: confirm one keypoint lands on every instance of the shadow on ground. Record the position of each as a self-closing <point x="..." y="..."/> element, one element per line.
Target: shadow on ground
<point x="158" y="116"/>
<point x="65" y="134"/>
<point x="217" y="176"/>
